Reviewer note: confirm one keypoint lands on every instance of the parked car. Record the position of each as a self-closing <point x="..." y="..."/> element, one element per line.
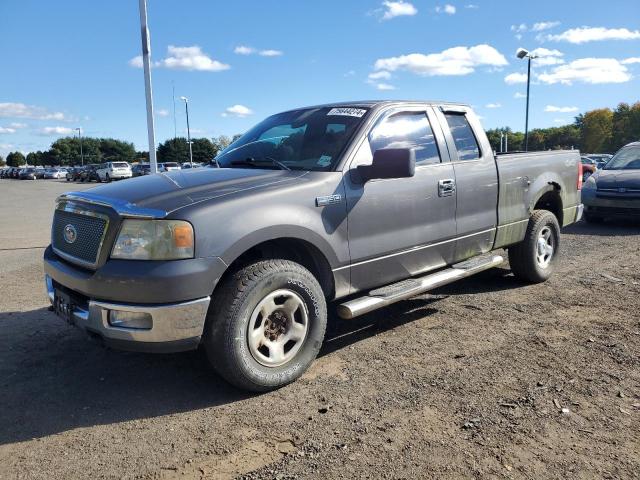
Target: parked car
<point x="113" y="171"/>
<point x="89" y="173"/>
<point x="168" y="166"/>
<point x="4" y="171"/>
<point x="601" y="159"/>
<point x="361" y="204"/>
<point x="30" y="173"/>
<point x="140" y="169"/>
<point x="614" y="191"/>
<point x="73" y="174"/>
<point x="15" y="172"/>
<point x="187" y="165"/>
<point x="55" y="173"/>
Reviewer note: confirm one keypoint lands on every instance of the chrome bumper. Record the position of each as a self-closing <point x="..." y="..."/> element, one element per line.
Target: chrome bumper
<point x="175" y="327"/>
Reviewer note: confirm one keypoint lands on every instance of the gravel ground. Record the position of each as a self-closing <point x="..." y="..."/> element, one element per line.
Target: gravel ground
<point x="485" y="378"/>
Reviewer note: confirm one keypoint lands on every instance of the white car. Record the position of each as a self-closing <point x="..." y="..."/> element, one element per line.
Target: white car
<point x="113" y="171"/>
<point x="168" y="166"/>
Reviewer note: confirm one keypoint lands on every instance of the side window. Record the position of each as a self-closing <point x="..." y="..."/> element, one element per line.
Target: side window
<point x="407" y="130"/>
<point x="463" y="136"/>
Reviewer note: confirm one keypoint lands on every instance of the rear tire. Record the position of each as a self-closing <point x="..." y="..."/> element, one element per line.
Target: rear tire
<point x="533" y="260"/>
<point x="265" y="325"/>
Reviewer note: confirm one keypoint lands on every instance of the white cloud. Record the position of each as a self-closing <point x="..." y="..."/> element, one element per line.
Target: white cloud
<point x="382" y="74"/>
<point x="18" y="125"/>
<point x="385" y="86"/>
<point x="560" y="120"/>
<point x="185" y="58"/>
<point x="587" y="70"/>
<point x="350" y="73"/>
<point x="136" y="62"/>
<point x="6" y="130"/>
<point x="244" y="50"/>
<point x="629" y="61"/>
<point x="237" y="111"/>
<point x="398" y="9"/>
<point x="514" y="78"/>
<point x="20" y="110"/>
<point x="472" y="6"/>
<point x="493" y="105"/>
<point x="447" y="8"/>
<point x="162" y="112"/>
<point x="519" y="95"/>
<point x="453" y="61"/>
<point x="540" y="26"/>
<point x="519" y="28"/>
<point x="55" y="131"/>
<point x="592" y="34"/>
<point x="553" y="108"/>
<point x="270" y="53"/>
<point x="547" y="57"/>
<point x="190" y="58"/>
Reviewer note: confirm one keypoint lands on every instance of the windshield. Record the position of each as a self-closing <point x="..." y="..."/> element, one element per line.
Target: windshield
<point x="627" y="158"/>
<point x="120" y="165"/>
<point x="308" y="139"/>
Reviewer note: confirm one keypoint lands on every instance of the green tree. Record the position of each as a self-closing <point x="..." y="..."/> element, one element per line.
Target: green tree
<point x="174" y="150"/>
<point x="203" y="150"/>
<point x="626" y="125"/>
<point x="15" y="159"/>
<point x="597" y="128"/>
<point x="2" y="161"/>
<point x="112" y="150"/>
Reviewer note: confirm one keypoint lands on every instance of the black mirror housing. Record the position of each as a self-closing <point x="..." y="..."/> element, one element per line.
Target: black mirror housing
<point x="390" y="163"/>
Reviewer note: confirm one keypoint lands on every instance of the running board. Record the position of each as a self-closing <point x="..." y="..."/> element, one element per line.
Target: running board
<point x="396" y="292"/>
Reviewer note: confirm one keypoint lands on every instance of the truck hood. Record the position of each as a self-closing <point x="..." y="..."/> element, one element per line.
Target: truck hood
<point x="612" y="179"/>
<point x="162" y="193"/>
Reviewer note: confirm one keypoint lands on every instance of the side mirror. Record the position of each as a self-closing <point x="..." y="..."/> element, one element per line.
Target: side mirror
<point x="389" y="163"/>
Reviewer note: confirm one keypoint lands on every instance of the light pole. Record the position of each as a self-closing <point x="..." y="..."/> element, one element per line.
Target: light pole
<point x="522" y="53"/>
<point x="81" y="154"/>
<point x="146" y="64"/>
<point x="186" y="109"/>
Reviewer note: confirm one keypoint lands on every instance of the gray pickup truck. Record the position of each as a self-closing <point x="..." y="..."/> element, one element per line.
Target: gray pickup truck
<point x="358" y="205"/>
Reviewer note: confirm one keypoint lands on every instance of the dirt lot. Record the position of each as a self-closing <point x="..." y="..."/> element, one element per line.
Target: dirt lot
<point x="486" y="378"/>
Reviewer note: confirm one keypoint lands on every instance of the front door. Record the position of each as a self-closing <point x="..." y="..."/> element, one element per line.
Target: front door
<point x="406" y="226"/>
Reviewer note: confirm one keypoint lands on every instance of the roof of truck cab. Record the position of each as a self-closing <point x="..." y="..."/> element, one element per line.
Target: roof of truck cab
<point x="378" y="103"/>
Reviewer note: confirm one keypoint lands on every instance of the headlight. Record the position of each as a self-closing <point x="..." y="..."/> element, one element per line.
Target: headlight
<point x="154" y="240"/>
<point x="590" y="183"/>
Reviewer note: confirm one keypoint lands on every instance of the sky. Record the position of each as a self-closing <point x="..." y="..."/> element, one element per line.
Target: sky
<point x="75" y="64"/>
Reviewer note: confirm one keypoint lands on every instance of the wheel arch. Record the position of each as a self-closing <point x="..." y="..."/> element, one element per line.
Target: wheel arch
<point x="549" y="198"/>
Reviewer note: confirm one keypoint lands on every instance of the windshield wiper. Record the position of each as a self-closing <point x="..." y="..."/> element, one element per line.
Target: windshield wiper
<point x="253" y="162"/>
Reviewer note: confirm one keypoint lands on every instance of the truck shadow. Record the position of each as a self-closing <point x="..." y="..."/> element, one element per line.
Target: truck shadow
<point x="609" y="228"/>
<point x="54" y="379"/>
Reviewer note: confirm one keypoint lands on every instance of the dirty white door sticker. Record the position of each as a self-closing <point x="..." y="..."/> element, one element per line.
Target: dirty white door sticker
<point x="347" y="112"/>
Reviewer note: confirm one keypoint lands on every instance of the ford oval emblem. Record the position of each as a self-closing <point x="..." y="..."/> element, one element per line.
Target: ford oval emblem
<point x="70" y="233"/>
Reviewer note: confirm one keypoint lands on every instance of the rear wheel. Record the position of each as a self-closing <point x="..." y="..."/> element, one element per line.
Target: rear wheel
<point x="266" y="325"/>
<point x="533" y="260"/>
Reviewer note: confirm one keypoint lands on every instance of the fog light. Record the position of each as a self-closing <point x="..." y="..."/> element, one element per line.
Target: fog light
<point x="136" y="320"/>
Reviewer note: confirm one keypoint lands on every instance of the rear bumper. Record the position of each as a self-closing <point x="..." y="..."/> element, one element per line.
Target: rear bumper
<point x="175" y="327"/>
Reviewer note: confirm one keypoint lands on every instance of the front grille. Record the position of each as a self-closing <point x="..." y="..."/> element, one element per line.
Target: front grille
<point x="89" y="233"/>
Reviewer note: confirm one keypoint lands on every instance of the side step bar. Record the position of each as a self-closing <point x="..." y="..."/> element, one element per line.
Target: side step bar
<point x="415" y="286"/>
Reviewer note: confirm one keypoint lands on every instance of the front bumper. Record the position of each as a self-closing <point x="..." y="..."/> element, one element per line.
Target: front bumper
<point x="611" y="205"/>
<point x="175" y="327"/>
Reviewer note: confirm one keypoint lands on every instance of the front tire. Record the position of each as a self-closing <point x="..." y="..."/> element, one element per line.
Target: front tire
<point x="265" y="325"/>
<point x="533" y="260"/>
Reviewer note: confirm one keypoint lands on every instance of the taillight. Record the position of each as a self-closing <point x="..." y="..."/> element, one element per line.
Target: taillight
<point x="580" y="172"/>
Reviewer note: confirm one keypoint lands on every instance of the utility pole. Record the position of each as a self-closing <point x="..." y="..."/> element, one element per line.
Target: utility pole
<point x="81" y="154"/>
<point x="522" y="53"/>
<point x="186" y="108"/>
<point x="146" y="63"/>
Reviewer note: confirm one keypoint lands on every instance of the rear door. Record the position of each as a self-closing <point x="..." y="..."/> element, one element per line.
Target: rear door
<point x="476" y="179"/>
<point x="405" y="226"/>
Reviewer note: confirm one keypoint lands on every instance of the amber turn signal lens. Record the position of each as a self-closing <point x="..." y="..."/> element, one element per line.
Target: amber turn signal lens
<point x="183" y="236"/>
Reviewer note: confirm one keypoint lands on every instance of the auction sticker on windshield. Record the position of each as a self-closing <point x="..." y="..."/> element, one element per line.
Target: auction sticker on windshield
<point x="347" y="112"/>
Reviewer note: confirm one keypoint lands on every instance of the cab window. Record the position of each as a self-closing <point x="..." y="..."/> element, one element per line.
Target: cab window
<point x="463" y="136"/>
<point x="407" y="130"/>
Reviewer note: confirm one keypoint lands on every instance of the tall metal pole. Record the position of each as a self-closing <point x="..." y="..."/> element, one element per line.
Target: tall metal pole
<point x="186" y="108"/>
<point x="81" y="154"/>
<point x="175" y="129"/>
<point x="526" y="122"/>
<point x="506" y="141"/>
<point x="146" y="63"/>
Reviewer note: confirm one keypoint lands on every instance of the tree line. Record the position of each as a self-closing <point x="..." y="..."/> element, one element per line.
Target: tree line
<point x="67" y="151"/>
<point x="597" y="131"/>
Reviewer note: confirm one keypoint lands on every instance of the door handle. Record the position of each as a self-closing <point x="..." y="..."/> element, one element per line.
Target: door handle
<point x="446" y="187"/>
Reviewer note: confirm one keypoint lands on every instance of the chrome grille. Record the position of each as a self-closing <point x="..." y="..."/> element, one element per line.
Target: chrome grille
<point x="84" y="244"/>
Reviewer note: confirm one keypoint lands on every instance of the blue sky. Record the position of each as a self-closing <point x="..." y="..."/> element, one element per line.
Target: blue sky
<point x="69" y="64"/>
